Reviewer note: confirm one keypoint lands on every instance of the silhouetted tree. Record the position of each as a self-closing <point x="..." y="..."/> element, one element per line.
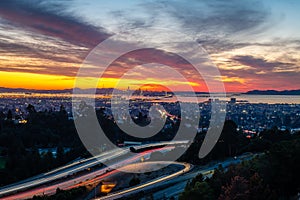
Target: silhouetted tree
<point x="9" y="115"/>
<point x="201" y="190"/>
<point x="30" y="108"/>
<point x="60" y="155"/>
<point x="237" y="189"/>
<point x="229" y="136"/>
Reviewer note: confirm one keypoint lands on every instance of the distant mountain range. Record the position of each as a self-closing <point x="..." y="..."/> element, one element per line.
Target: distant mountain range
<point x="274" y="92"/>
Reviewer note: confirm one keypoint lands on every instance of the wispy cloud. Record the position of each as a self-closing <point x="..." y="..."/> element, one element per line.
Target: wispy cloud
<point x="49" y="37"/>
<point x="43" y="38"/>
<point x="50" y="20"/>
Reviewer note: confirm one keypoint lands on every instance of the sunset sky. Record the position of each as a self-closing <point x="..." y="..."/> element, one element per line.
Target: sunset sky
<point x="255" y="44"/>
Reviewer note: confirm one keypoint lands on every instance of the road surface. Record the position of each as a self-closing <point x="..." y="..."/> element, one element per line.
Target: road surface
<point x="174" y="185"/>
<point x="152" y="183"/>
<point x="47" y="183"/>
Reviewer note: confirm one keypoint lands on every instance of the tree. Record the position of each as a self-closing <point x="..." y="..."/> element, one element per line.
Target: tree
<point x="217" y="180"/>
<point x="9" y="115"/>
<point x="30" y="108"/>
<point x="229" y="136"/>
<point x="281" y="167"/>
<point x="60" y="155"/>
<point x="2" y="116"/>
<point x="259" y="190"/>
<point x="201" y="190"/>
<point x="48" y="160"/>
<point x="237" y="189"/>
<point x="198" y="178"/>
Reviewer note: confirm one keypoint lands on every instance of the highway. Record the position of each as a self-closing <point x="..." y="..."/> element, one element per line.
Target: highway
<point x="152" y="183"/>
<point x="61" y="172"/>
<point x="162" y="188"/>
<point x="80" y="180"/>
<point x="175" y="187"/>
<point x="47" y="183"/>
<point x="171" y="185"/>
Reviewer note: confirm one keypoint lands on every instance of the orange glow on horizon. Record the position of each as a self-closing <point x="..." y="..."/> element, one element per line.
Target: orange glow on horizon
<point x="35" y="81"/>
<point x="56" y="82"/>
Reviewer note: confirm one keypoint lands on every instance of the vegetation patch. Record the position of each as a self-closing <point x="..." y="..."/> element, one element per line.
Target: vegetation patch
<point x="2" y="163"/>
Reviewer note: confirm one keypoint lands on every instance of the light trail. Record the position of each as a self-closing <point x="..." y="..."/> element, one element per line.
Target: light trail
<point x="78" y="181"/>
<point x="187" y="168"/>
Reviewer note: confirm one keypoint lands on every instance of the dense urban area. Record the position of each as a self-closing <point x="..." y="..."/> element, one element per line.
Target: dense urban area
<point x="38" y="134"/>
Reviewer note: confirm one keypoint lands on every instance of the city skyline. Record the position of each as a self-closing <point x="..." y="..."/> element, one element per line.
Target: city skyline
<point x="254" y="44"/>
